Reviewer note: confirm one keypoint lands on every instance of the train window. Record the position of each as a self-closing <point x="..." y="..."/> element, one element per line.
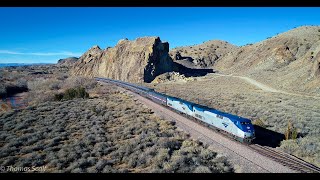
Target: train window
<point x="219" y="116"/>
<point x="197" y="115"/>
<point x="244" y="123"/>
<point x="180" y="102"/>
<point x="169" y="104"/>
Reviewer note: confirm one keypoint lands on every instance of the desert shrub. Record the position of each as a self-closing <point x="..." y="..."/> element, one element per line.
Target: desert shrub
<point x="307" y="148"/>
<point x="207" y="154"/>
<point x="202" y="169"/>
<point x="62" y="76"/>
<point x="39" y="84"/>
<point x="58" y="97"/>
<point x="55" y="85"/>
<point x="87" y="83"/>
<point x="289" y="146"/>
<point x="291" y="132"/>
<point x="259" y="122"/>
<point x="3" y="90"/>
<point x="69" y="94"/>
<point x="78" y="92"/>
<point x="101" y="164"/>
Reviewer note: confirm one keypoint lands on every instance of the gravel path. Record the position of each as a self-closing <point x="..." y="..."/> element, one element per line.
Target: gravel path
<point x="243" y="158"/>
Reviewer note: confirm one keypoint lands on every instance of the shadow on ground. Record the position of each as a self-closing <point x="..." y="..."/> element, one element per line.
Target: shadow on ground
<point x="266" y="137"/>
<point x="191" y="72"/>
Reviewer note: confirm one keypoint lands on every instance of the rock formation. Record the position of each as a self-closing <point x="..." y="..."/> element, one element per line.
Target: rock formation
<point x="133" y="61"/>
<point x="67" y="61"/>
<point x="202" y="55"/>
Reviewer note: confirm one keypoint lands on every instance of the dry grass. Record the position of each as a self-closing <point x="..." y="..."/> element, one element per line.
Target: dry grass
<point x="235" y="96"/>
<point x="111" y="132"/>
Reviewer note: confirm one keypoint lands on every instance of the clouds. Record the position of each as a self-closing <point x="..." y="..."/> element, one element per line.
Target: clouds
<point x="63" y="53"/>
<point x="16" y="56"/>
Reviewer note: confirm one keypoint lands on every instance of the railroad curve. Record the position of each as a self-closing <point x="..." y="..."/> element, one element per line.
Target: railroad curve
<point x="239" y="154"/>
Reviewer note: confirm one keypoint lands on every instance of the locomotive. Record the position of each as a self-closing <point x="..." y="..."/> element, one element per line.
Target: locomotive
<point x="239" y="128"/>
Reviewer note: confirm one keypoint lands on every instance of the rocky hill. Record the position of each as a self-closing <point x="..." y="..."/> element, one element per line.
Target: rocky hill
<point x="67" y="61"/>
<point x="140" y="60"/>
<point x="289" y="61"/>
<point x="203" y="55"/>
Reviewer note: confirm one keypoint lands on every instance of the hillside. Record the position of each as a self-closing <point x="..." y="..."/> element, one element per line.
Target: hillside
<point x="140" y="60"/>
<point x="203" y="55"/>
<point x="289" y="61"/>
<point x="67" y="61"/>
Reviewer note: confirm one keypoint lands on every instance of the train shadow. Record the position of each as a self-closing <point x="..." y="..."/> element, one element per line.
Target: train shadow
<point x="266" y="137"/>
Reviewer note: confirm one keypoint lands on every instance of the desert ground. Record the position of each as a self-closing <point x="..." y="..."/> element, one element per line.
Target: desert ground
<point x="271" y="107"/>
<point x="108" y="131"/>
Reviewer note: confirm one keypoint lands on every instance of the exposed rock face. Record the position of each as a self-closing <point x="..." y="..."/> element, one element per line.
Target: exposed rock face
<point x="172" y="76"/>
<point x="67" y="61"/>
<point x="316" y="67"/>
<point x="133" y="61"/>
<point x="202" y="55"/>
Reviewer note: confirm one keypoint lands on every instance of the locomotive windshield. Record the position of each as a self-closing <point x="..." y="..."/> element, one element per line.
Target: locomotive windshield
<point x="244" y="123"/>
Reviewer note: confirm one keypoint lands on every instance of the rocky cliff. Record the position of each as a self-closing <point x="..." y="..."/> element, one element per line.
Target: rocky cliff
<point x="133" y="61"/>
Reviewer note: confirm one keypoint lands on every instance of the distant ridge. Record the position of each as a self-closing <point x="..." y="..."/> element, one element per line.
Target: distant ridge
<point x="21" y="64"/>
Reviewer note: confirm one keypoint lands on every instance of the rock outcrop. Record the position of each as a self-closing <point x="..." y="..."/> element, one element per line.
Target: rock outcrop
<point x="140" y="60"/>
<point x="172" y="76"/>
<point x="67" y="61"/>
<point x="203" y="55"/>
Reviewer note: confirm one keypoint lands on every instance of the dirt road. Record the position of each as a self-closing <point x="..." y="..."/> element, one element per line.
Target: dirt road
<point x="265" y="87"/>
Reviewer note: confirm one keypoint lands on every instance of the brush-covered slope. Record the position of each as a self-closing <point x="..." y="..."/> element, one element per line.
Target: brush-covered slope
<point x="289" y="61"/>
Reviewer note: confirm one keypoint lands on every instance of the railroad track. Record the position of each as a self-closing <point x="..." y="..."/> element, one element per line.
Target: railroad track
<point x="285" y="159"/>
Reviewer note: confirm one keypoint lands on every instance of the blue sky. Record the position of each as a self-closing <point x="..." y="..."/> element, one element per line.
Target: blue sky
<point x="33" y="35"/>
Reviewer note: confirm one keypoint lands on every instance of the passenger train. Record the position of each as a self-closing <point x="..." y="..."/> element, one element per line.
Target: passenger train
<point x="237" y="127"/>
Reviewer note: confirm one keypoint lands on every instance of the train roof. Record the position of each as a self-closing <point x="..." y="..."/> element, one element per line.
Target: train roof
<point x="127" y="83"/>
<point x="224" y="114"/>
<point x="190" y="103"/>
